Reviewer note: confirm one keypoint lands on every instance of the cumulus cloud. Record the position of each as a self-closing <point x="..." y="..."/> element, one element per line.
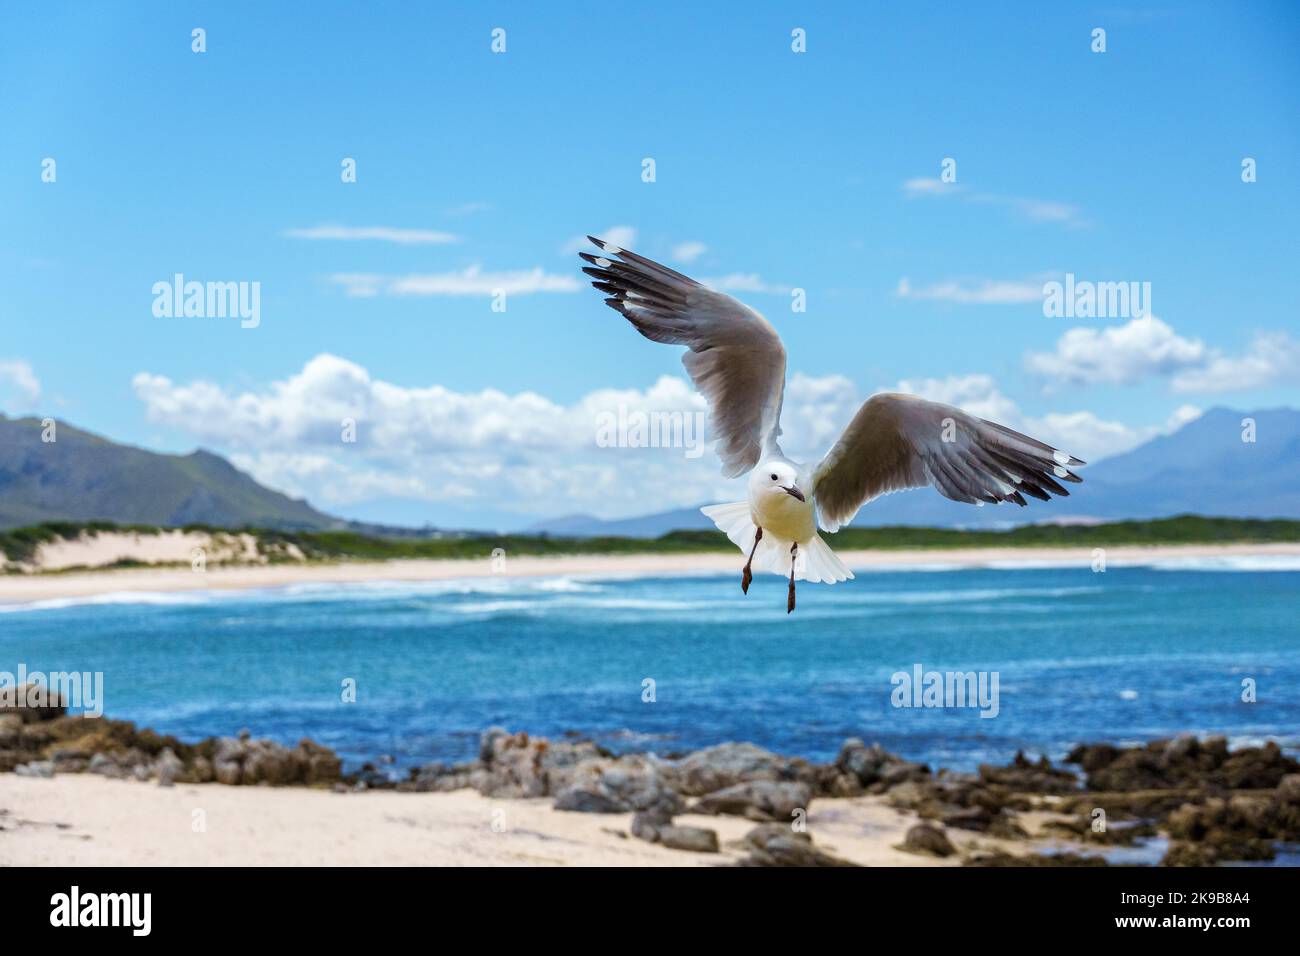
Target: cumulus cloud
<point x="523" y="451"/>
<point x="379" y="233"/>
<point x="468" y="282"/>
<point x="975" y="291"/>
<point x="1270" y="358"/>
<point x="19" y="387"/>
<point x="1148" y="348"/>
<point x="1082" y="433"/>
<point x="519" y="450"/>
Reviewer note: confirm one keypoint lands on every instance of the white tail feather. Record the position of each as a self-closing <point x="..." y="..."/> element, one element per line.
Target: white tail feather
<point x="817" y="562"/>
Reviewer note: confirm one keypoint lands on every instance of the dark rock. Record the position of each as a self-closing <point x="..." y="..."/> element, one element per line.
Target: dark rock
<point x="775" y="844"/>
<point x="32" y="702"/>
<point x="1001" y="858"/>
<point x="757" y="800"/>
<point x="578" y="800"/>
<point x="729" y="764"/>
<point x="927" y="839"/>
<point x="694" y="839"/>
<point x="635" y="782"/>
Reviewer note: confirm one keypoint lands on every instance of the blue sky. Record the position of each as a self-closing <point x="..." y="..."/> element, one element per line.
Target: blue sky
<point x="773" y="170"/>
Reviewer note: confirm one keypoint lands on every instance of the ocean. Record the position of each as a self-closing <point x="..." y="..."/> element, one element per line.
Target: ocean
<point x="1127" y="655"/>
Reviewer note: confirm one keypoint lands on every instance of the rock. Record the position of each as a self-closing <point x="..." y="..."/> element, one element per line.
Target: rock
<point x="106" y="766"/>
<point x="37" y="768"/>
<point x="875" y="768"/>
<point x="227" y="772"/>
<point x="1024" y="776"/>
<point x="579" y="800"/>
<point x="1184" y="763"/>
<point x="1241" y="827"/>
<point x="775" y="844"/>
<point x="694" y="839"/>
<point x="927" y="839"/>
<point x="31" y="702"/>
<point x="646" y="824"/>
<point x="757" y="800"/>
<point x="516" y="765"/>
<point x="1182" y="853"/>
<point x="726" y="765"/>
<point x="1288" y="789"/>
<point x="1001" y="858"/>
<point x="633" y="783"/>
<point x="10" y="729"/>
<point x="167" y="767"/>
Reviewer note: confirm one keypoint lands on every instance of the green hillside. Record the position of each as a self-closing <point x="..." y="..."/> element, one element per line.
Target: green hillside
<point x="83" y="477"/>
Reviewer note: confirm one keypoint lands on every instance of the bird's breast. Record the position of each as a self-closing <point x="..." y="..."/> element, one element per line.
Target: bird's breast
<point x="785" y="517"/>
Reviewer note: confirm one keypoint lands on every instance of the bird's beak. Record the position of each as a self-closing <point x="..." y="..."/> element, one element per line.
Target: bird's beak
<point x="792" y="490"/>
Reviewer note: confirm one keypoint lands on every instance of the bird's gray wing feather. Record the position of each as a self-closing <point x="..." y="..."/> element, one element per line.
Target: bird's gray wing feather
<point x="900" y="441"/>
<point x="735" y="357"/>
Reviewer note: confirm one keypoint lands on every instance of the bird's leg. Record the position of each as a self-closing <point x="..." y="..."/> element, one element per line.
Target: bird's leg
<point x="747" y="576"/>
<point x="794" y="557"/>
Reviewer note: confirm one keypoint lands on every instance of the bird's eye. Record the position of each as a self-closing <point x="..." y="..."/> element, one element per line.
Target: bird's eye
<point x="774" y="478"/>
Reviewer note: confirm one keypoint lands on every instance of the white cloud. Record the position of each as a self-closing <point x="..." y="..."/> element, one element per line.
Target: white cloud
<point x="1149" y="348"/>
<point x="1270" y="358"/>
<point x="1036" y="210"/>
<point x="1118" y="354"/>
<point x="380" y="233"/>
<point x="622" y="236"/>
<point x="19" y="387"/>
<point x="470" y="281"/>
<point x="523" y="451"/>
<point x="975" y="291"/>
<point x="741" y="282"/>
<point x="689" y="251"/>
<point x="923" y="186"/>
<point x="1081" y="433"/>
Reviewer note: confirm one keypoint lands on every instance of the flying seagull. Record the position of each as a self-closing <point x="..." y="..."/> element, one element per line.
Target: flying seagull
<point x="895" y="441"/>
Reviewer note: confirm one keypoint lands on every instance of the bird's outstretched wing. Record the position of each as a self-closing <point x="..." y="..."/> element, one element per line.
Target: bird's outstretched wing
<point x="736" y="358"/>
<point x="900" y="441"/>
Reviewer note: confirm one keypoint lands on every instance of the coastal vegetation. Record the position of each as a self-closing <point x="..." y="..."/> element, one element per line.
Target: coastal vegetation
<point x="19" y="545"/>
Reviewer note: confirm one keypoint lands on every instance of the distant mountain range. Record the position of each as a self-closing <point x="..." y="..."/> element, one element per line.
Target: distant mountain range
<point x="1203" y="468"/>
<point x="83" y="477"/>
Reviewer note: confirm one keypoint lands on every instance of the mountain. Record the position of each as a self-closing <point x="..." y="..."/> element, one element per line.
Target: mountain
<point x="83" y="477"/>
<point x="1203" y="468"/>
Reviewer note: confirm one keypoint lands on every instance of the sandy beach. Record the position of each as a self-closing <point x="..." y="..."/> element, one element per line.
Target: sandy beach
<point x="22" y="588"/>
<point x="84" y="819"/>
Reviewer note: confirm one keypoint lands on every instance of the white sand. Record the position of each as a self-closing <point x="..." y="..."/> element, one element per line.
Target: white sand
<point x="99" y="549"/>
<point x="87" y="820"/>
<point x="18" y="588"/>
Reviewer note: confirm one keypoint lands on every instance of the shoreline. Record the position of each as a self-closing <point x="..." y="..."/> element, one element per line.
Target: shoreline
<point x="25" y="588"/>
<point x="86" y="820"/>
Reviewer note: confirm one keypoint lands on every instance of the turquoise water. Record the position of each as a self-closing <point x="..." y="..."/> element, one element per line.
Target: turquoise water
<point x="1128" y="655"/>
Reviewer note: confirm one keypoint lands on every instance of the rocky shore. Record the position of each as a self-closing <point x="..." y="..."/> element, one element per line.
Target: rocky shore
<point x="1210" y="804"/>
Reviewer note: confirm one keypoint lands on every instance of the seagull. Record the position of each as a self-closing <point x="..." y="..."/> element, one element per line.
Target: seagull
<point x="894" y="442"/>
